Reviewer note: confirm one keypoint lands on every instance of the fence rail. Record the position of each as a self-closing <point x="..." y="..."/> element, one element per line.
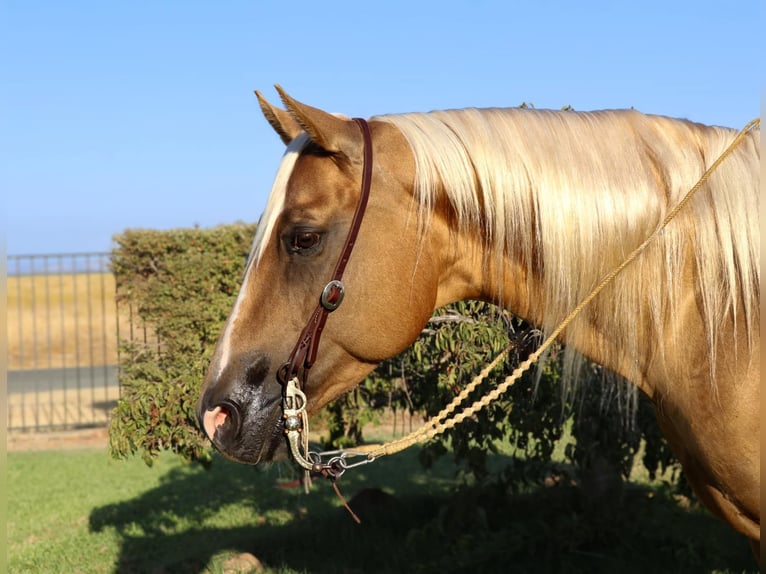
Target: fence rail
<point x="63" y="324"/>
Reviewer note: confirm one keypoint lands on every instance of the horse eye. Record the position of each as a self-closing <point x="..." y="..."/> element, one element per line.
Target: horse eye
<point x="304" y="240"/>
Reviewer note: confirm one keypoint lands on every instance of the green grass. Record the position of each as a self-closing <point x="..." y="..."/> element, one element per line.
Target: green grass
<point x="82" y="512"/>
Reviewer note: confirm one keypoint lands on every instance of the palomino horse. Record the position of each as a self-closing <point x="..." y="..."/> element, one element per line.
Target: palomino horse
<point x="526" y="208"/>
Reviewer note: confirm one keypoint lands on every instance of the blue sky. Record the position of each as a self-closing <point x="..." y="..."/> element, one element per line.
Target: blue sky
<point x="140" y="114"/>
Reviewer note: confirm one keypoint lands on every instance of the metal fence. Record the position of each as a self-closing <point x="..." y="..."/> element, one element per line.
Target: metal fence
<point x="63" y="325"/>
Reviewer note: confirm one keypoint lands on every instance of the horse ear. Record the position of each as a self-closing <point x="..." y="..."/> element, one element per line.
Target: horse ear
<point x="330" y="132"/>
<point x="282" y="122"/>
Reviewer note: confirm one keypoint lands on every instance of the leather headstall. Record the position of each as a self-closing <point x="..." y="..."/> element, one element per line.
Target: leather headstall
<point x="304" y="354"/>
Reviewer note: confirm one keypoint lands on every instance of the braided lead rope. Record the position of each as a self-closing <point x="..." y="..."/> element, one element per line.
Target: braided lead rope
<point x="439" y="424"/>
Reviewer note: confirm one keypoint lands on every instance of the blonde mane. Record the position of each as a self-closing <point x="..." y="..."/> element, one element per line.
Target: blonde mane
<point x="571" y="194"/>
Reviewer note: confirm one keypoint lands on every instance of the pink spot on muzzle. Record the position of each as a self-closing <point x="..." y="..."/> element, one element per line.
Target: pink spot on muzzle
<point x="214" y="419"/>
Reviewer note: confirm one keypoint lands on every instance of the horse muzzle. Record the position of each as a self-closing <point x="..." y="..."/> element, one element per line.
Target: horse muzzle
<point x="240" y="412"/>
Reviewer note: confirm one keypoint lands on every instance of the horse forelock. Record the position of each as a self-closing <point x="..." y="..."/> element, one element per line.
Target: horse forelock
<point x="573" y="193"/>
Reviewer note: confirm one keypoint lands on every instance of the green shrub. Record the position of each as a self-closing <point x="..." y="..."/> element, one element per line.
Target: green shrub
<point x="183" y="283"/>
<point x="606" y="416"/>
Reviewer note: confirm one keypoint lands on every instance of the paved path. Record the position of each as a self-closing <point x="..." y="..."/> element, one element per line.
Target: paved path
<point x="44" y="380"/>
<point x="41" y="399"/>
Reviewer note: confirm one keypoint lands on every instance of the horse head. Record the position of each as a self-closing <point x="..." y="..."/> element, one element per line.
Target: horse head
<point x="390" y="282"/>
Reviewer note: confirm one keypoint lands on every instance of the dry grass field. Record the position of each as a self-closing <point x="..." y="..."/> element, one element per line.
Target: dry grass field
<point x="62" y="321"/>
<point x="68" y="324"/>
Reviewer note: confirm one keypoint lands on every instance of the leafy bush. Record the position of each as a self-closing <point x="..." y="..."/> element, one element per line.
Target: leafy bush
<point x="183" y="284"/>
<point x="606" y="417"/>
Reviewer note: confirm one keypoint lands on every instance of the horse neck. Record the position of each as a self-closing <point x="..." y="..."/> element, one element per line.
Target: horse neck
<point x="541" y="205"/>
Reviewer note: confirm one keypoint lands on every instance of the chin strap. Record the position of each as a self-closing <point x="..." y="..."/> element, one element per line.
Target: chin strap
<point x="331" y="463"/>
<point x="296" y="428"/>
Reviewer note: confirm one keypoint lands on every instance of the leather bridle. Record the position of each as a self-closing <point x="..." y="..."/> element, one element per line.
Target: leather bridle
<point x="304" y="354"/>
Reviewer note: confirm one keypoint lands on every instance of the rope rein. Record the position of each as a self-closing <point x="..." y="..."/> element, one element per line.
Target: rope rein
<point x="447" y="418"/>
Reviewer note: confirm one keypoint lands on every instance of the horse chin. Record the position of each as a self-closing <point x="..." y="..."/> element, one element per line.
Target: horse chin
<point x="275" y="447"/>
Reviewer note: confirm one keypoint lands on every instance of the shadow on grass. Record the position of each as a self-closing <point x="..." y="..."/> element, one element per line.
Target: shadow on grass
<point x="196" y="518"/>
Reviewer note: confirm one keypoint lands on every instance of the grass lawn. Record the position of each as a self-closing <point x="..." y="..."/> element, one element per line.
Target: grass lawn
<point x="79" y="511"/>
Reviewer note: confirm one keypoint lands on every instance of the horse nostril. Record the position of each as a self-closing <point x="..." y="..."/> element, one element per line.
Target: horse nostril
<point x="235" y="415"/>
<point x="225" y="416"/>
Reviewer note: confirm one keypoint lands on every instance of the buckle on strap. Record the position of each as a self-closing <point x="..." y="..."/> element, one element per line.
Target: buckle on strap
<point x="332" y="295"/>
